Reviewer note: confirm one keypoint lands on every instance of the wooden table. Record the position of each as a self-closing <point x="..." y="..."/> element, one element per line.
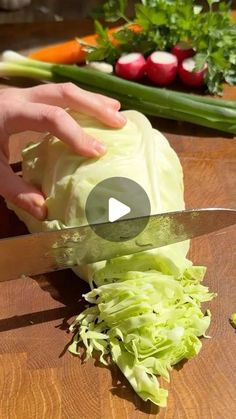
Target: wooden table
<point x="39" y="379"/>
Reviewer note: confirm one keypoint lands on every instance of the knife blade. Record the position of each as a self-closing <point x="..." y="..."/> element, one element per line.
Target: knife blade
<point x="38" y="253"/>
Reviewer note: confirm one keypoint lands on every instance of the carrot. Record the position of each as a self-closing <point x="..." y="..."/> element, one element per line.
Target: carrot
<point x="68" y="52"/>
<point x="72" y="52"/>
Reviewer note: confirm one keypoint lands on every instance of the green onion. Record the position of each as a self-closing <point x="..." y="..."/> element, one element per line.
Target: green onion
<point x="15" y="70"/>
<point x="214" y="113"/>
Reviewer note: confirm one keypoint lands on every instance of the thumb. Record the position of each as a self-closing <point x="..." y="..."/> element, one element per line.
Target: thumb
<point x="20" y="193"/>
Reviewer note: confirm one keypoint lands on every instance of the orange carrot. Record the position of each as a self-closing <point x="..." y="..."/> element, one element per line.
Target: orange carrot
<point x="72" y="52"/>
<point x="68" y="52"/>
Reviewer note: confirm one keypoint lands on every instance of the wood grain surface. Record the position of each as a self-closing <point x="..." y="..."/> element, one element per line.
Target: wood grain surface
<point x="39" y="379"/>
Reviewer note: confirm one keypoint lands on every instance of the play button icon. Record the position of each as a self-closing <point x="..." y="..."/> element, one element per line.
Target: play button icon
<point x="117" y="199"/>
<point x="116" y="209"/>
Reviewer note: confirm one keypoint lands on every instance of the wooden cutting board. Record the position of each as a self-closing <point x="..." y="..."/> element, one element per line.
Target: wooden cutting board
<point x="39" y="379"/>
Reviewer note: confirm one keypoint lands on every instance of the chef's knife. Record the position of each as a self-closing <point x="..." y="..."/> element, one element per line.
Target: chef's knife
<point x="44" y="252"/>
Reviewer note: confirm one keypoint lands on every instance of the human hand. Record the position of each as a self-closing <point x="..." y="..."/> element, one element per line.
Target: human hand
<point x="40" y="109"/>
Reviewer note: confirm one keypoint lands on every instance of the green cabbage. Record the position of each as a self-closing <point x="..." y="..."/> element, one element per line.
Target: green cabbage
<point x="146" y="308"/>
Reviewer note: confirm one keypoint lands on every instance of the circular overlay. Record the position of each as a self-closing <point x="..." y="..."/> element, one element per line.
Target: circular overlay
<point x="114" y="201"/>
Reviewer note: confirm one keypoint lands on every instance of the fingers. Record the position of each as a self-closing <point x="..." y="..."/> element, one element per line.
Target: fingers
<point x="69" y="95"/>
<point x="21" y="194"/>
<point x="39" y="117"/>
<point x="41" y="109"/>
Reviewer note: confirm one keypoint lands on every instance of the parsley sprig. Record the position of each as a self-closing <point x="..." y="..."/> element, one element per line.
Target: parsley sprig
<point x="211" y="32"/>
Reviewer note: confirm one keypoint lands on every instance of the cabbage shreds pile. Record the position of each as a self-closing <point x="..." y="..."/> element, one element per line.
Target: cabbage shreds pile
<point x="233" y="320"/>
<point x="147" y="321"/>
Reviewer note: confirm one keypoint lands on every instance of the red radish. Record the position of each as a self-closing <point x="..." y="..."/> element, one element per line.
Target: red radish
<point x="189" y="76"/>
<point x="131" y="66"/>
<point x="182" y="50"/>
<point x="162" y="67"/>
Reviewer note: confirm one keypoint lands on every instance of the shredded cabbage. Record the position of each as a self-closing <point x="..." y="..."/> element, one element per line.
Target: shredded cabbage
<point x="147" y="321"/>
<point x="145" y="308"/>
<point x="233" y="319"/>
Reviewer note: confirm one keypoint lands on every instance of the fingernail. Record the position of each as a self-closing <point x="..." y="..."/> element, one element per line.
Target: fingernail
<point x="116" y="105"/>
<point x="40" y="211"/>
<point x="121" y="118"/>
<point x="99" y="148"/>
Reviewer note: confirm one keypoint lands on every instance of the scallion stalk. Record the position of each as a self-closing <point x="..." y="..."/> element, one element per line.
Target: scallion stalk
<point x="205" y="111"/>
<point x="211" y="100"/>
<point x="163" y="112"/>
<point x="15" y="70"/>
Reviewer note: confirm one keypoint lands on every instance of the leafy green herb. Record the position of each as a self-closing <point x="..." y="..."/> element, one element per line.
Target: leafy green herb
<point x="112" y="10"/>
<point x="106" y="50"/>
<point x="212" y="33"/>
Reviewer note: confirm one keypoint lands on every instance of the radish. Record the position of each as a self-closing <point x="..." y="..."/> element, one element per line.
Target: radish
<point x="162" y="67"/>
<point x="131" y="66"/>
<point x="182" y="50"/>
<point x="189" y="76"/>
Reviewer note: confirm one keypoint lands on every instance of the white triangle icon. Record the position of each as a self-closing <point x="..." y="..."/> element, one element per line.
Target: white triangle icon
<point x="116" y="209"/>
